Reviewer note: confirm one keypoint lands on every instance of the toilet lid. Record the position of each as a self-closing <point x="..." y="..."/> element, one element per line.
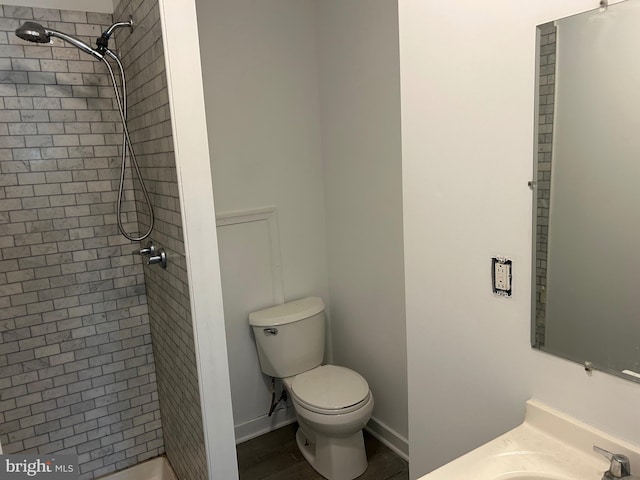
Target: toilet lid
<point x="330" y="388"/>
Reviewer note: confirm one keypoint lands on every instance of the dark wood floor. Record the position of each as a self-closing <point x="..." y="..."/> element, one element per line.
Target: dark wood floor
<point x="275" y="456"/>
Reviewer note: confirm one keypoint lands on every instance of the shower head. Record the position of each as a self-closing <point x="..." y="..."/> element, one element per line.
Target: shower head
<point x="34" y="32"/>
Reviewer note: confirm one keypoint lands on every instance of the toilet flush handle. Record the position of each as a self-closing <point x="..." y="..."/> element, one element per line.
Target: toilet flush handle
<point x="270" y="331"/>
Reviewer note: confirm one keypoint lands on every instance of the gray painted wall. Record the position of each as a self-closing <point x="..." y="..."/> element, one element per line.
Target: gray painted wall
<point x="360" y="114"/>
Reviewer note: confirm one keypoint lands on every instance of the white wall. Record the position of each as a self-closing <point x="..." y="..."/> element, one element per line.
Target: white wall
<point x="186" y="99"/>
<point x="360" y="102"/>
<point x="261" y="92"/>
<point x="467" y="77"/>
<point x="594" y="232"/>
<point x="281" y="96"/>
<point x="249" y="252"/>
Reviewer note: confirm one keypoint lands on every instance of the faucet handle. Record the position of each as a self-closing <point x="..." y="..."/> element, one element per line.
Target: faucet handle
<point x="619" y="467"/>
<point x="160" y="257"/>
<point x="149" y="250"/>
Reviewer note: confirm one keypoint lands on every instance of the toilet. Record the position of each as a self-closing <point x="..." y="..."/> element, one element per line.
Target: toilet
<point x="332" y="403"/>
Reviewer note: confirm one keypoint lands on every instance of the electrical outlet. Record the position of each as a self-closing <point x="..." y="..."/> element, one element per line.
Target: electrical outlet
<point x="501" y="276"/>
<point x="503" y="272"/>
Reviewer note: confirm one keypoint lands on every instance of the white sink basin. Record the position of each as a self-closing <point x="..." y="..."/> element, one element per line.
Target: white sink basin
<point x="548" y="445"/>
<point x="526" y="476"/>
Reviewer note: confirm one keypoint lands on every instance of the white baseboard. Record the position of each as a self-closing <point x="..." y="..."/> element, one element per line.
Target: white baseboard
<point x="285" y="416"/>
<point x="389" y="437"/>
<point x="264" y="424"/>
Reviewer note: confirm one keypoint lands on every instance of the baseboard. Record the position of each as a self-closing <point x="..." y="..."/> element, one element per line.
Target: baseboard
<point x="389" y="437"/>
<point x="285" y="416"/>
<point x="264" y="424"/>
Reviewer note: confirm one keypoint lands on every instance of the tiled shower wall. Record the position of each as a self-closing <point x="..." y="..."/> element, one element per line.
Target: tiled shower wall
<point x="546" y="99"/>
<point x="76" y="363"/>
<point x="167" y="290"/>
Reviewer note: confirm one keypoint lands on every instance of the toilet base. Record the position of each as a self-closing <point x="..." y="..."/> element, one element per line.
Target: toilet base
<point x="335" y="458"/>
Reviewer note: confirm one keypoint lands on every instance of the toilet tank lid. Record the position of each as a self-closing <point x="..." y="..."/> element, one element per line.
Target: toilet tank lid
<point x="287" y="312"/>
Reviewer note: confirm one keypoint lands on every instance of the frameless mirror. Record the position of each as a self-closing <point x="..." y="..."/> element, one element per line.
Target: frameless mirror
<point x="586" y="285"/>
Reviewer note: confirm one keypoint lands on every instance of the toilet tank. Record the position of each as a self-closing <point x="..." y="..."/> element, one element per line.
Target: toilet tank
<point x="290" y="337"/>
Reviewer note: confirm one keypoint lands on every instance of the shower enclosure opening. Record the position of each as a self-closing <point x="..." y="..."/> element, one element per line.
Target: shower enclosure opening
<point x="36" y="33"/>
<point x="97" y="349"/>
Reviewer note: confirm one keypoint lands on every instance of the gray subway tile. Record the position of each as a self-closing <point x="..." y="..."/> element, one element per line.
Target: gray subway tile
<point x="56" y="222"/>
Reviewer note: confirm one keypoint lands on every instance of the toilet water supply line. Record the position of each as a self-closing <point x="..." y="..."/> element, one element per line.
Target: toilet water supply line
<point x="274" y="403"/>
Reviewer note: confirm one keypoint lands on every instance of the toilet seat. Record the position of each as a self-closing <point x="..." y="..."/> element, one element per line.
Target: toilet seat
<point x="329" y="390"/>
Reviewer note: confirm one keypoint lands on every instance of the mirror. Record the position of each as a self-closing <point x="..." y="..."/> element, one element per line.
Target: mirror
<point x="586" y="253"/>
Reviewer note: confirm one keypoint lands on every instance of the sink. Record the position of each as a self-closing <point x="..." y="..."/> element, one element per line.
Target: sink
<point x="527" y="476"/>
<point x="548" y="445"/>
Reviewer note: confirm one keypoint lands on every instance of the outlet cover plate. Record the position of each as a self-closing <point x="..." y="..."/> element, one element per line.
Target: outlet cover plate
<point x="502" y="276"/>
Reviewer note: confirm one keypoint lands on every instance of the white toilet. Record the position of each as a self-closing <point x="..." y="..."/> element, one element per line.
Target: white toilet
<point x="332" y="404"/>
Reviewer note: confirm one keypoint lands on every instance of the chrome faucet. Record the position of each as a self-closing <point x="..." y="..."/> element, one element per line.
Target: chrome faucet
<point x="155" y="255"/>
<point x="149" y="250"/>
<point x="619" y="467"/>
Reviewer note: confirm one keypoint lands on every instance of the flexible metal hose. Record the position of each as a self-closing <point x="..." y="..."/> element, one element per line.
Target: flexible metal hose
<point x="127" y="146"/>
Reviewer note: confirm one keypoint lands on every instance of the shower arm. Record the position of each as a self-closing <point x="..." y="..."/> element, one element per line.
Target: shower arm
<point x="109" y="31"/>
<point x="102" y="42"/>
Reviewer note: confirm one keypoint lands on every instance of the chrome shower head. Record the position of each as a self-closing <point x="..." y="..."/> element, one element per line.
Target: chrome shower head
<point x="33" y="32"/>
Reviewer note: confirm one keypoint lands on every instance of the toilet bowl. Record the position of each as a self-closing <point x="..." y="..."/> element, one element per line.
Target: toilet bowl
<point x="332" y="403"/>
